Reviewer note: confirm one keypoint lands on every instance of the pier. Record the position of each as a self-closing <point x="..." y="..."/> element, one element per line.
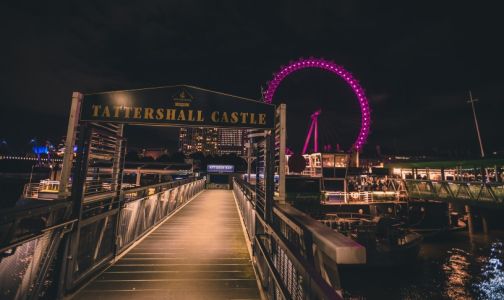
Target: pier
<point x="198" y="253"/>
<point x="100" y="237"/>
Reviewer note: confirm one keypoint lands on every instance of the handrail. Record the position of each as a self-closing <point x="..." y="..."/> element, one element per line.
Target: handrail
<point x="476" y="191"/>
<point x="32" y="209"/>
<point x="474" y="182"/>
<point x="126" y="219"/>
<point x="156" y="185"/>
<point x="36" y="237"/>
<point x="30" y="238"/>
<point x="14" y="230"/>
<point x="297" y="251"/>
<point x="262" y="249"/>
<point x="140" y="191"/>
<point x="325" y="239"/>
<point x="315" y="285"/>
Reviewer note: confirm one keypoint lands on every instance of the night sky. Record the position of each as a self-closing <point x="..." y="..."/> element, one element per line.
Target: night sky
<point x="416" y="62"/>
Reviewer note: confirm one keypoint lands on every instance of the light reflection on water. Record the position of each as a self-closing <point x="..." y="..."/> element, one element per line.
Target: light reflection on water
<point x="455" y="267"/>
<point x="456" y="270"/>
<point x="491" y="285"/>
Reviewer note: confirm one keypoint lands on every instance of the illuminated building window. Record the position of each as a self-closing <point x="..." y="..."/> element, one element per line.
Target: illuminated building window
<point x="212" y="141"/>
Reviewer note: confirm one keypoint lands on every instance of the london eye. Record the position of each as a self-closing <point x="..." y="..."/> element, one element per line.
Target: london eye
<point x="331" y="121"/>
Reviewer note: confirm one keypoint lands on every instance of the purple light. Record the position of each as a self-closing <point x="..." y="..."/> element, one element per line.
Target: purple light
<point x="335" y="69"/>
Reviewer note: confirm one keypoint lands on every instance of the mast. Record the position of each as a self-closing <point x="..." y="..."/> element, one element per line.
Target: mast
<point x="471" y="100"/>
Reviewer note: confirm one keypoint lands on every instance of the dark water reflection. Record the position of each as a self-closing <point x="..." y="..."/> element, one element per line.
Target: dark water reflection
<point x="454" y="267"/>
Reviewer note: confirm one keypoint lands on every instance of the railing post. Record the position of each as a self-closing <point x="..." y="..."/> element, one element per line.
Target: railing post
<point x="73" y="123"/>
<point x="269" y="176"/>
<point x="78" y="180"/>
<point x="282" y="136"/>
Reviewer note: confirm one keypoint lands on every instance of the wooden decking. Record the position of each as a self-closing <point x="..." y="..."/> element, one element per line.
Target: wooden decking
<point x="199" y="253"/>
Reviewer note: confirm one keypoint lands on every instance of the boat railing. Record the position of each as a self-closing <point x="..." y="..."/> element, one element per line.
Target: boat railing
<point x="361" y="196"/>
<point x="30" y="190"/>
<point x="348" y="222"/>
<point x="41" y="190"/>
<point x="44" y="190"/>
<point x="344" y="215"/>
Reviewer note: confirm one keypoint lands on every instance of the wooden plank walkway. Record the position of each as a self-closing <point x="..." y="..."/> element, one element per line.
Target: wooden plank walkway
<point x="199" y="253"/>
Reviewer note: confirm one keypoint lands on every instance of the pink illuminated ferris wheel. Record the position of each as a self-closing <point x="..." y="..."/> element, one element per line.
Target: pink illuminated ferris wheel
<point x="319" y="63"/>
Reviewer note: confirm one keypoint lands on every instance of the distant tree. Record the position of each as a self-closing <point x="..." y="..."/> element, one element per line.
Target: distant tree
<point x="178" y="157"/>
<point x="211" y="159"/>
<point x="197" y="156"/>
<point x="297" y="163"/>
<point x="199" y="161"/>
<point x="147" y="159"/>
<point x="164" y="158"/>
<point x="3" y="146"/>
<point x="132" y="156"/>
<point x="240" y="164"/>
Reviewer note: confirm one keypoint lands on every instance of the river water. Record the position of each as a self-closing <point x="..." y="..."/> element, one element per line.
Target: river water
<point x="454" y="267"/>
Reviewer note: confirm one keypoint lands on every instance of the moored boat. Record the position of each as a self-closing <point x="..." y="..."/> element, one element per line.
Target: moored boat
<point x="387" y="240"/>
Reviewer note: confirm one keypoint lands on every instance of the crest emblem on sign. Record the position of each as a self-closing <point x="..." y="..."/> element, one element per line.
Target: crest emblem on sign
<point x="183" y="99"/>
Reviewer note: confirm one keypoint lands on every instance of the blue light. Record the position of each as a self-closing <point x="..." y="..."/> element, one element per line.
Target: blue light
<point x="40" y="150"/>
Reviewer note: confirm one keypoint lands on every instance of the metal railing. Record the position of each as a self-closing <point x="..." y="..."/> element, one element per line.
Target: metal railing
<point x="109" y="225"/>
<point x="361" y="196"/>
<point x="292" y="262"/>
<point x="30" y="240"/>
<point x="30" y="190"/>
<point x="43" y="190"/>
<point x="38" y="259"/>
<point x="461" y="191"/>
<point x="143" y="212"/>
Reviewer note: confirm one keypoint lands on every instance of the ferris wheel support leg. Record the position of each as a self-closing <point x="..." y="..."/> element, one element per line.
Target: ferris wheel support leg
<point x="308" y="138"/>
<point x="354" y="160"/>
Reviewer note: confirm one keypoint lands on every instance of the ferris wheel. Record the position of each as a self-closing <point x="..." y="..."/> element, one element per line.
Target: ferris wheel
<point x="339" y="71"/>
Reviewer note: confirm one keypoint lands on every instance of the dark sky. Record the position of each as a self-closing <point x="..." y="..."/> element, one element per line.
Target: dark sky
<point x="416" y="60"/>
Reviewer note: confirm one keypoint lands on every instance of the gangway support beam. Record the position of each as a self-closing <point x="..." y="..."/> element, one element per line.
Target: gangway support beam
<point x="73" y="123"/>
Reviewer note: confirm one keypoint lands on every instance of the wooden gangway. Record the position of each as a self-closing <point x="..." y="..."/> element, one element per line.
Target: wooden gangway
<point x="198" y="253"/>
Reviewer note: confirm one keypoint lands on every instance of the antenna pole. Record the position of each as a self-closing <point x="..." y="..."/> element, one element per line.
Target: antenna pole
<point x="315" y="140"/>
<point x="471" y="100"/>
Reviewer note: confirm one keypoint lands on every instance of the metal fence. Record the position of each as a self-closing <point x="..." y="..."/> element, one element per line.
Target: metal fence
<point x="30" y="239"/>
<point x="457" y="191"/>
<point x="290" y="265"/>
<point x="142" y="212"/>
<point x="362" y="196"/>
<point x="37" y="254"/>
<point x="108" y="226"/>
